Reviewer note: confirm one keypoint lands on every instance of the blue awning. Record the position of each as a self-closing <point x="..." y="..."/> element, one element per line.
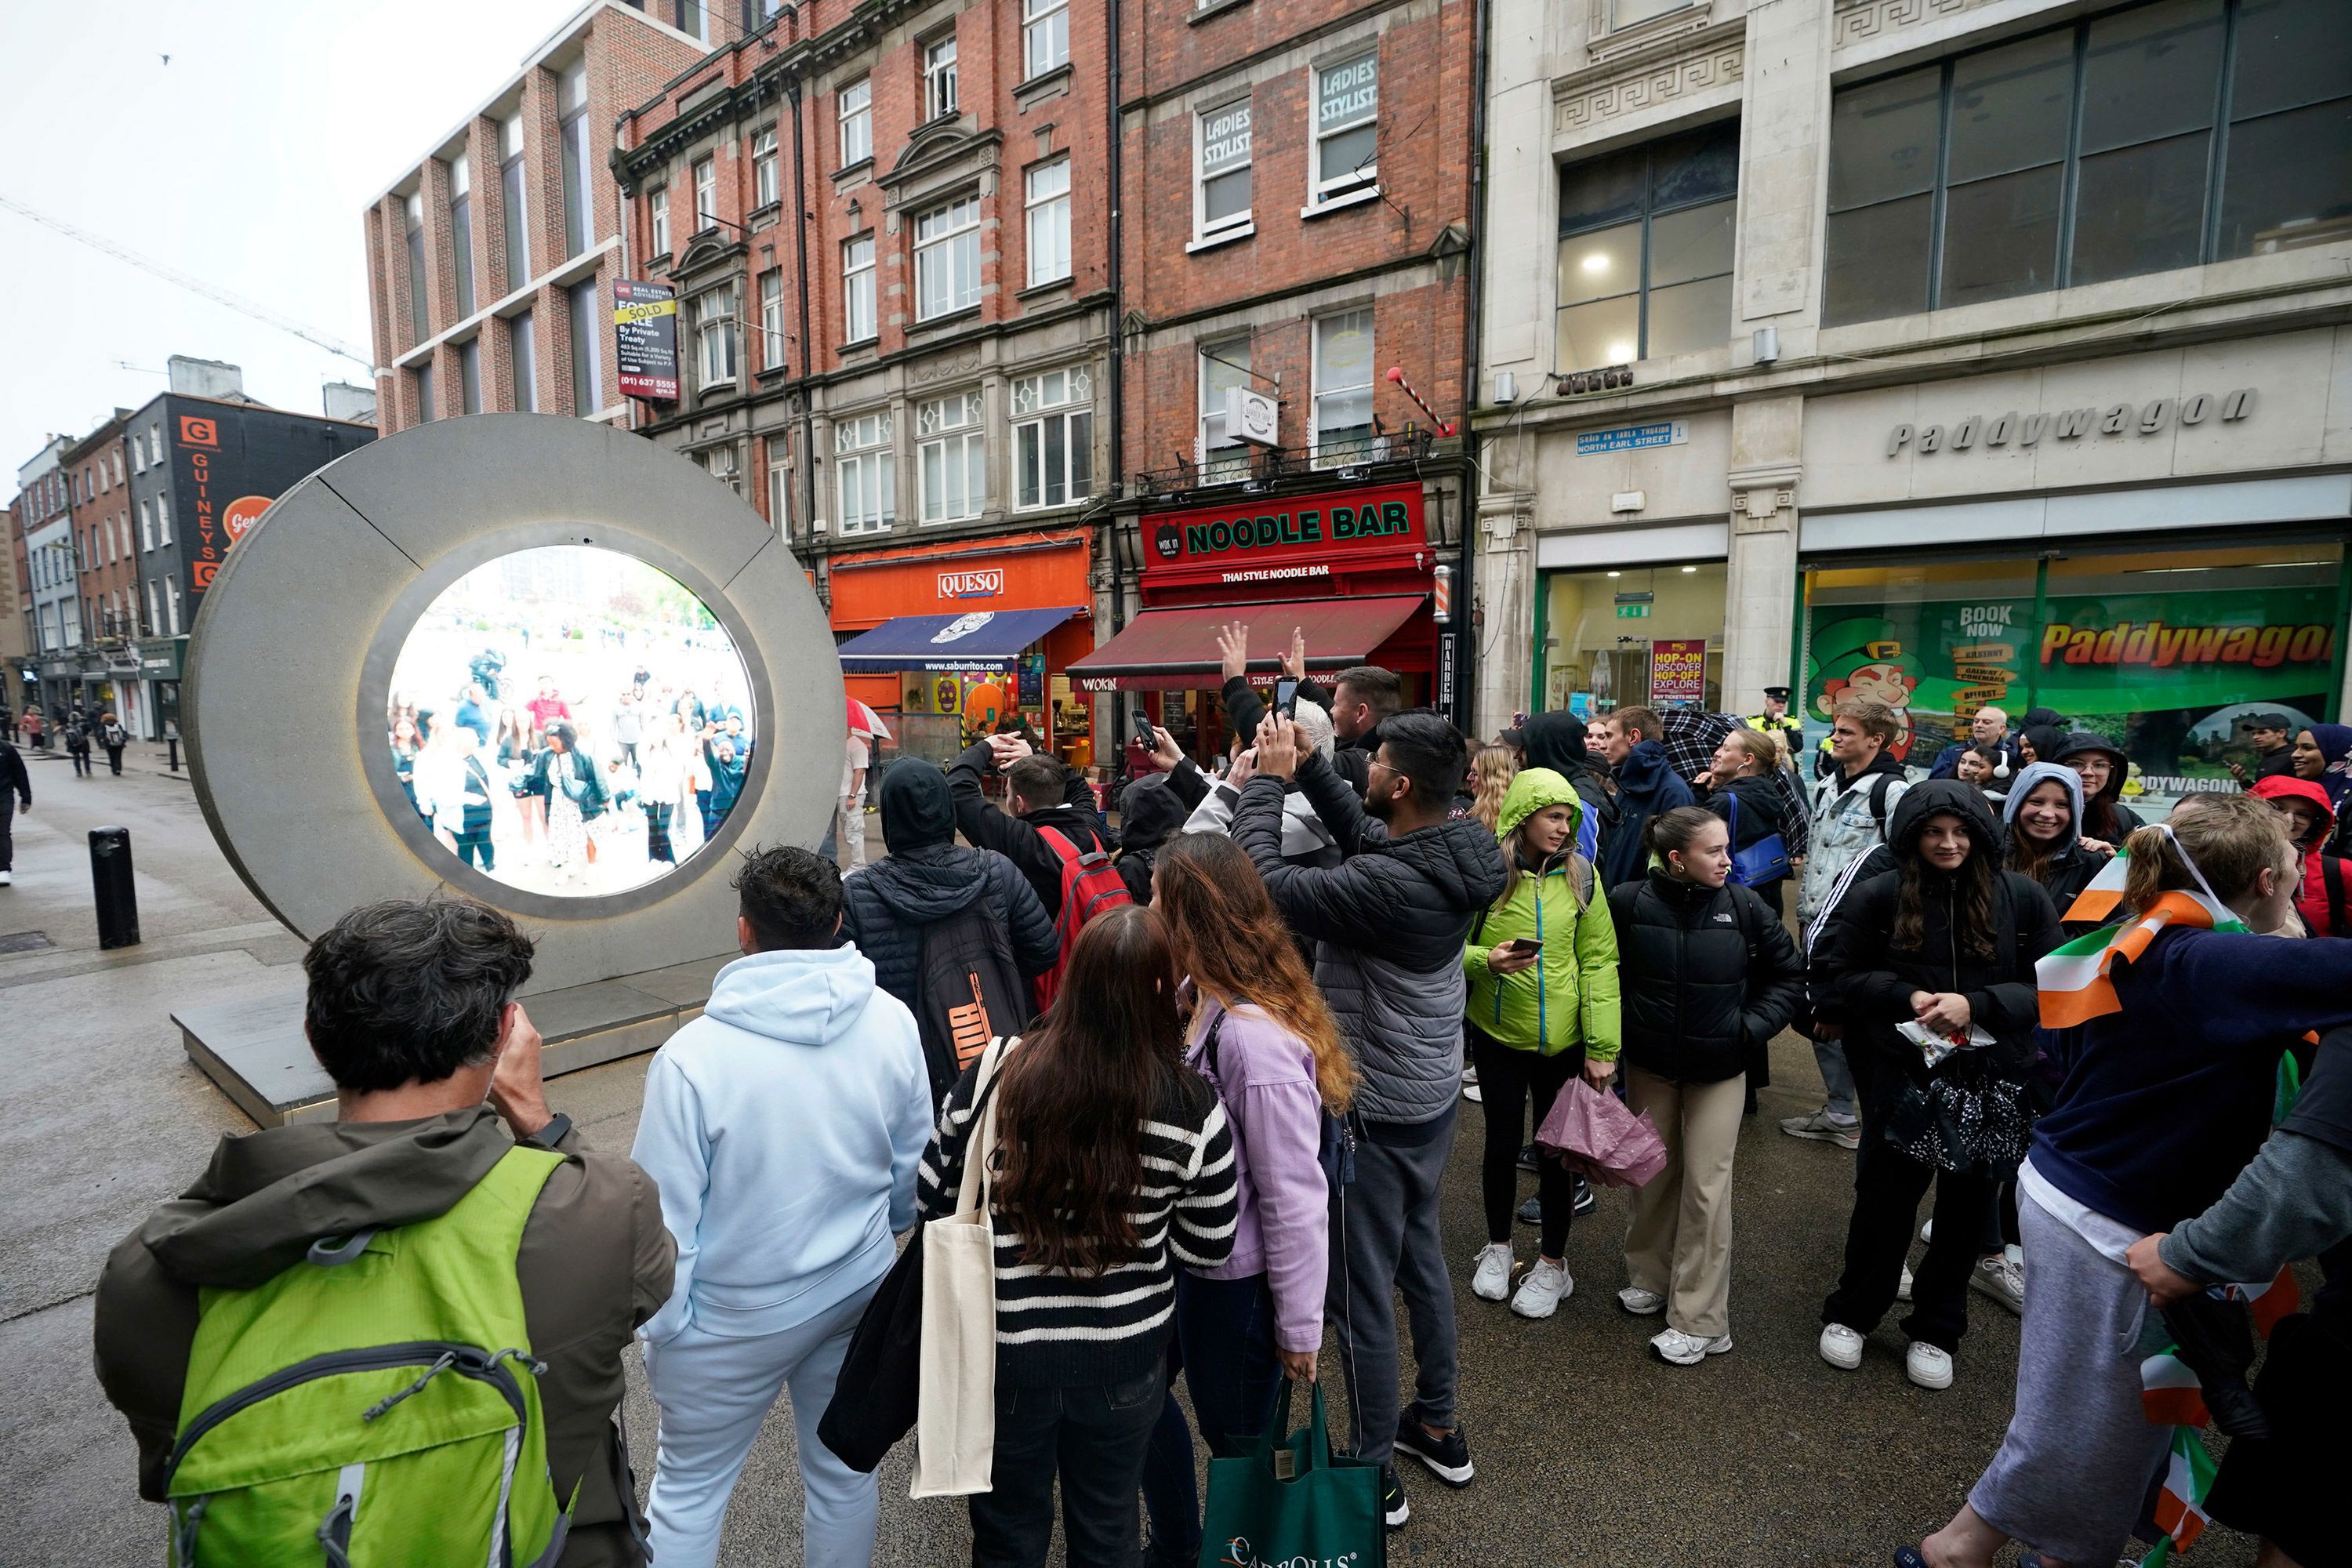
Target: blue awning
<point x="976" y="640"/>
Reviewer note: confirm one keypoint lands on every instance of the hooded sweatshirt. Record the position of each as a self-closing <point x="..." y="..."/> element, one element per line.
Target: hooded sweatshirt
<point x="1647" y="786"/>
<point x="2066" y="870"/>
<point x="2335" y="742"/>
<point x="1556" y="741"/>
<point x="928" y="877"/>
<point x="2312" y="901"/>
<point x="1150" y="812"/>
<point x="1568" y="997"/>
<point x="1390" y="919"/>
<point x="784" y="1126"/>
<point x="2105" y="816"/>
<point x="1016" y="837"/>
<point x="1856" y="955"/>
<point x="594" y="1262"/>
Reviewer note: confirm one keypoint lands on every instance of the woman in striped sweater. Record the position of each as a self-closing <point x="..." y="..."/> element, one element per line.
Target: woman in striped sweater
<point x="1113" y="1165"/>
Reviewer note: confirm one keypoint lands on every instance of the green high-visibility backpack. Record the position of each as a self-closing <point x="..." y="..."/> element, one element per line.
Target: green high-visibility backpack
<point x="374" y="1405"/>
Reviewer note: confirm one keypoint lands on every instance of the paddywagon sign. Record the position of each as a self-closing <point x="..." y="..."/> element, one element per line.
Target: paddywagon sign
<point x="1296" y="537"/>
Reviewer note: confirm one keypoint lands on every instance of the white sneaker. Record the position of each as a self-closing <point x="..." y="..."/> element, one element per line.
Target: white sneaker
<point x="1841" y="1346"/>
<point x="1927" y="1366"/>
<point x="2001" y="1279"/>
<point x="1903" y="1285"/>
<point x="1640" y="1303"/>
<point x="1491" y="1277"/>
<point x="5" y="879"/>
<point x="1688" y="1350"/>
<point x="1541" y="1291"/>
<point x="1821" y="1127"/>
<point x="1927" y="1230"/>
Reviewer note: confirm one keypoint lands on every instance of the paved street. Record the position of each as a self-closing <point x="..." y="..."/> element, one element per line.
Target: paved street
<point x="1589" y="1452"/>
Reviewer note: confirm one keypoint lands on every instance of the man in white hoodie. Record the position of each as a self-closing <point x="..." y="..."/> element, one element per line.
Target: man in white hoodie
<point x="784" y="1126"/>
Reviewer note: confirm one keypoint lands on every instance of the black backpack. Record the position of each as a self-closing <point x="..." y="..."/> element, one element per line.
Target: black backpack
<point x="967" y="992"/>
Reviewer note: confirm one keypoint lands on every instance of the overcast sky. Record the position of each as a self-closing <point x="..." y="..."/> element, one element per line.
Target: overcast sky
<point x="246" y="162"/>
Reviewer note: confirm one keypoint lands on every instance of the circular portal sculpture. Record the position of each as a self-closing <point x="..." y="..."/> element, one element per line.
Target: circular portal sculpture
<point x="422" y="669"/>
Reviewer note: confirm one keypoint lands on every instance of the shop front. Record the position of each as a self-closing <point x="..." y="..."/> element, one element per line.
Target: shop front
<point x="1353" y="571"/>
<point x="938" y="640"/>
<point x="2169" y="652"/>
<point x="1646" y="630"/>
<point x="160" y="662"/>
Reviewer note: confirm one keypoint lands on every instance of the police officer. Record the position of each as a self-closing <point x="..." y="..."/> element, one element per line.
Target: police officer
<point x="1776" y="719"/>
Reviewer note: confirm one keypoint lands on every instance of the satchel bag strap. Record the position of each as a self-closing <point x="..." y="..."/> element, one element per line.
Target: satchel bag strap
<point x="971" y="1192"/>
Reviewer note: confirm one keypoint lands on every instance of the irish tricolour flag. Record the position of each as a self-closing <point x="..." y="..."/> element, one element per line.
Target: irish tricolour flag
<point x="2098" y="900"/>
<point x="2075" y="980"/>
<point x="2180" y="1506"/>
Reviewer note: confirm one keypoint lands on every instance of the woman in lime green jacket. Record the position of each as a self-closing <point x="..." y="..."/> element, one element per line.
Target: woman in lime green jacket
<point x="1542" y="967"/>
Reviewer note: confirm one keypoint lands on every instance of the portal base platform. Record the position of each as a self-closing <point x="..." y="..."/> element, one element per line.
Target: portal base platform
<point x="255" y="1052"/>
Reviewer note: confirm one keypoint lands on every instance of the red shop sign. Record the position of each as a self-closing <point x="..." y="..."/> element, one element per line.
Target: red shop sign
<point x="1301" y="538"/>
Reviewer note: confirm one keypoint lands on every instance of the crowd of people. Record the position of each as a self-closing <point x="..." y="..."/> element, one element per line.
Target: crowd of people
<point x="596" y="775"/>
<point x="1199" y="1076"/>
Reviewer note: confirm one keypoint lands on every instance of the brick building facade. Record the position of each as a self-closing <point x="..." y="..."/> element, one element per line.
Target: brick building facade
<point x="912" y="381"/>
<point x="489" y="262"/>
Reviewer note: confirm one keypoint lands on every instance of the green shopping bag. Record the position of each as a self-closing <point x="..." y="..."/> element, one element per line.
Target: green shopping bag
<point x="1288" y="1503"/>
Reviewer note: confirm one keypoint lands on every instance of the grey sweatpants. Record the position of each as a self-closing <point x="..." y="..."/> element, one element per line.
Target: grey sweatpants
<point x="1384" y="1230"/>
<point x="2074" y="1468"/>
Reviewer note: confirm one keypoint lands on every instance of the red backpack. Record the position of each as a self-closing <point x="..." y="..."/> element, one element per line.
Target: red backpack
<point x="1091" y="884"/>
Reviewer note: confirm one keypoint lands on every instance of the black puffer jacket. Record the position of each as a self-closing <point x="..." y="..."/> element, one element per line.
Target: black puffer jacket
<point x="1873" y="980"/>
<point x="928" y="877"/>
<point x="1709" y="975"/>
<point x="1151" y="811"/>
<point x="1391" y="920"/>
<point x="1764" y="810"/>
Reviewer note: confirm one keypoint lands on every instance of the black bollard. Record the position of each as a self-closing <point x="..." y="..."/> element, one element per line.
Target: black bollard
<point x="109" y="880"/>
<point x="173" y="741"/>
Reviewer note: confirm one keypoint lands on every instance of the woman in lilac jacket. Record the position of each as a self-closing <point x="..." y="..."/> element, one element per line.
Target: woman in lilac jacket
<point x="1262" y="1036"/>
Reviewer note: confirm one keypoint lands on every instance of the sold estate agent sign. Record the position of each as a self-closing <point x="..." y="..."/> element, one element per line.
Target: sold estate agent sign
<point x="645" y="340"/>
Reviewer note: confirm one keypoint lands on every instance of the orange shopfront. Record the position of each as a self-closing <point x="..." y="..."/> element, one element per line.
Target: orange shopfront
<point x="922" y="626"/>
<point x="1352" y="568"/>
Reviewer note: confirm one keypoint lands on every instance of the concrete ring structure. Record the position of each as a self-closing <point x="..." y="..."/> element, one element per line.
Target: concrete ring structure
<point x="294" y="646"/>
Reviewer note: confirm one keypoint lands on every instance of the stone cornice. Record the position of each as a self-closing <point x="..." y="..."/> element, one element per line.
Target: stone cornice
<point x="1669" y="68"/>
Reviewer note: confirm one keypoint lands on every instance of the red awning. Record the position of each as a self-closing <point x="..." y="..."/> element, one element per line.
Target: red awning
<point x="1176" y="649"/>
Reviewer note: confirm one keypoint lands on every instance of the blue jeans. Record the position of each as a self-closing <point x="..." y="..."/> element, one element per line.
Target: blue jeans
<point x="1224" y="1344"/>
<point x="1837" y="1078"/>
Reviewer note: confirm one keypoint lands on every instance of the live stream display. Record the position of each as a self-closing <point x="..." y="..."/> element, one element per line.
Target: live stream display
<point x="570" y="720"/>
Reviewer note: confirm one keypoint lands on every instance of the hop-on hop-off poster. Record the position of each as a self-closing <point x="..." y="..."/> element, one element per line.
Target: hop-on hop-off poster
<point x="1678" y="670"/>
<point x="2170" y="677"/>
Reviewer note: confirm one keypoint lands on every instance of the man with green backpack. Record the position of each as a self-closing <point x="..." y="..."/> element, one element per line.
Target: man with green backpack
<point x="396" y="1336"/>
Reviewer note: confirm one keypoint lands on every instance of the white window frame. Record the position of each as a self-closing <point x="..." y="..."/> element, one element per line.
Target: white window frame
<point x="952" y="456"/>
<point x="1044" y="37"/>
<point x="780" y="492"/>
<point x="147" y="525"/>
<point x="1064" y="396"/>
<point x="155" y="605"/>
<point x="771" y="318"/>
<point x="857" y="316"/>
<point x="138" y="457"/>
<point x="1220" y="459"/>
<point x="706" y="194"/>
<point x="722" y="465"/>
<point x="865" y="467"/>
<point x="1049" y="221"/>
<point x="155" y="443"/>
<point x="162" y="519"/>
<point x="715" y="357"/>
<point x="853" y="108"/>
<point x="1319" y="391"/>
<point x="657" y="209"/>
<point x="1321" y="190"/>
<point x="767" y="185"/>
<point x="940" y="78"/>
<point x="947" y="244"/>
<point x="1202" y="227"/>
<point x="172" y="604"/>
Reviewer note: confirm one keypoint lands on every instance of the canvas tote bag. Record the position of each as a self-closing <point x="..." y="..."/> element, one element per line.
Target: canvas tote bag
<point x="955" y="1409"/>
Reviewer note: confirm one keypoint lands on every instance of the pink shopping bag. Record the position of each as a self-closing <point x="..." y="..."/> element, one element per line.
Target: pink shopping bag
<point x="1594" y="1134"/>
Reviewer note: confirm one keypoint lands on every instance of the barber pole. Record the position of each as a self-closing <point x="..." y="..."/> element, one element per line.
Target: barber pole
<point x="1396" y="374"/>
<point x="1440" y="600"/>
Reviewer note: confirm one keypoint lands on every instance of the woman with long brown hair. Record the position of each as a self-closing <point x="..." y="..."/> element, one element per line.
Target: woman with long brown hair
<point x="1262" y="1036"/>
<point x="1113" y="1164"/>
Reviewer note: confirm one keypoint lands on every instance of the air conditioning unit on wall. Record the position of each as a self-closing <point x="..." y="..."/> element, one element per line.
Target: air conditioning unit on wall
<point x="1252" y="416"/>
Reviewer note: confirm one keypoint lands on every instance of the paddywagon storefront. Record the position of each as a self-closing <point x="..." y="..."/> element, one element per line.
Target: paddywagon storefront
<point x="938" y="640"/>
<point x="1353" y="570"/>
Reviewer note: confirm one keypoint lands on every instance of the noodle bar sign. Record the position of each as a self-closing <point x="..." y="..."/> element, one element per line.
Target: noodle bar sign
<point x="1297" y="536"/>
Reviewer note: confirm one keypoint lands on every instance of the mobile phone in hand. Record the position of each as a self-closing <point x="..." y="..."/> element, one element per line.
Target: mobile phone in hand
<point x="1143" y="733"/>
<point x="1285" y="697"/>
<point x="1526" y="945"/>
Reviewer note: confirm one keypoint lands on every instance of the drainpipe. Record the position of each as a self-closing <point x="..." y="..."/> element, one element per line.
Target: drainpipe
<point x="1118" y="363"/>
<point x="808" y="329"/>
<point x="1465" y="614"/>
